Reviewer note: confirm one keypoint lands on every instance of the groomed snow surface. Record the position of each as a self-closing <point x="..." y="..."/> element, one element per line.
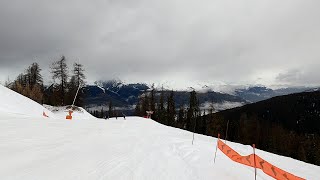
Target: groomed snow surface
<point x="35" y="147"/>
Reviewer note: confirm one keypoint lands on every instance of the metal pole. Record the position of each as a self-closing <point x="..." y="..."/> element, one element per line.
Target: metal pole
<point x="215" y="154"/>
<point x="74" y="100"/>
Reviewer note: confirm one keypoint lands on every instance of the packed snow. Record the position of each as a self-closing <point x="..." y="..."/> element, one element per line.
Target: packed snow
<point x="15" y="104"/>
<point x="77" y="112"/>
<point x="36" y="147"/>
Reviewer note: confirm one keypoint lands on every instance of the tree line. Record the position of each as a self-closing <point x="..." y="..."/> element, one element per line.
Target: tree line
<point x="108" y="113"/>
<point x="163" y="105"/>
<point x="61" y="92"/>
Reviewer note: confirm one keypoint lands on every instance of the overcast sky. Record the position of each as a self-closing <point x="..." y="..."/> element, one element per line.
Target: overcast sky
<point x="270" y="42"/>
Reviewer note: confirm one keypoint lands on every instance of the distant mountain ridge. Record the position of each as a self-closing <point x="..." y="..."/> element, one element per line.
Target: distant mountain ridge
<point x="122" y="95"/>
<point x="260" y="93"/>
<point x="125" y="95"/>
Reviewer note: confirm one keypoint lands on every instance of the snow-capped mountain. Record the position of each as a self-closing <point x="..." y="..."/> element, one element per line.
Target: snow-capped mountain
<point x="122" y="95"/>
<point x="313" y="90"/>
<point x="125" y="96"/>
<point x="259" y="93"/>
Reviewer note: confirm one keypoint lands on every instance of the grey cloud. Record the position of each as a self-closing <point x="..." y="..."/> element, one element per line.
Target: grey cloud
<point x="238" y="42"/>
<point x="305" y="76"/>
<point x="290" y="76"/>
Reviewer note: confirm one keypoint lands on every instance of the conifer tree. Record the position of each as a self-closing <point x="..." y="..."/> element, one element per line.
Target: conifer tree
<point x="77" y="80"/>
<point x="211" y="110"/>
<point x="152" y="101"/>
<point x="193" y="111"/>
<point x="102" y="113"/>
<point x="59" y="70"/>
<point x="181" y="118"/>
<point x="161" y="110"/>
<point x="145" y="103"/>
<point x="33" y="75"/>
<point x="203" y="127"/>
<point x="78" y="73"/>
<point x="171" y="112"/>
<point x="111" y="113"/>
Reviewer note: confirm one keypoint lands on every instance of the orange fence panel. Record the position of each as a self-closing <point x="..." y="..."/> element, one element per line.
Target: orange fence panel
<point x="250" y="160"/>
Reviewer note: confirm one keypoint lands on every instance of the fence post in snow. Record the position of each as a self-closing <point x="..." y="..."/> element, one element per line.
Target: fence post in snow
<point x="215" y="154"/>
<point x="194" y="130"/>
<point x="254" y="161"/>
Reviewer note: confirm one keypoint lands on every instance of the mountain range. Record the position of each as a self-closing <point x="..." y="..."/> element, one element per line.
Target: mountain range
<point x="124" y="96"/>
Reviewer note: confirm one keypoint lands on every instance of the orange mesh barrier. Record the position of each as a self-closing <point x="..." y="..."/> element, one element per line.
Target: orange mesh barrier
<point x="256" y="162"/>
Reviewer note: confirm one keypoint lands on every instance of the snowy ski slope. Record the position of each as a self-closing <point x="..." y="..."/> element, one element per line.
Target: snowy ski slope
<point x="15" y="104"/>
<point x="35" y="147"/>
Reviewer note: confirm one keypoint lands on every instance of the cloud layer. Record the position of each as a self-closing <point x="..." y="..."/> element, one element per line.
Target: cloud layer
<point x="234" y="42"/>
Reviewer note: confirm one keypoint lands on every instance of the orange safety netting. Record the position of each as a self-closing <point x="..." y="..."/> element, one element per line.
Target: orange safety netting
<point x="257" y="162"/>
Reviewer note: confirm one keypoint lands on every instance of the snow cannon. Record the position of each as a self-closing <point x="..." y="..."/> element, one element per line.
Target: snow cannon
<point x="69" y="117"/>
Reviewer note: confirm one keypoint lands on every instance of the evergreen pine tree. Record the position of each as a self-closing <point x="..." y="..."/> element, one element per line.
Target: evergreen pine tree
<point x="102" y="113"/>
<point x="33" y="75"/>
<point x="193" y="111"/>
<point x="77" y="80"/>
<point x="145" y="103"/>
<point x="203" y="129"/>
<point x="59" y="70"/>
<point x="161" y="110"/>
<point x="181" y="118"/>
<point x="111" y="113"/>
<point x="171" y="112"/>
<point x="152" y="102"/>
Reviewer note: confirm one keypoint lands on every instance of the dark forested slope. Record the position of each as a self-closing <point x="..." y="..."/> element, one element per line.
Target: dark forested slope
<point x="287" y="125"/>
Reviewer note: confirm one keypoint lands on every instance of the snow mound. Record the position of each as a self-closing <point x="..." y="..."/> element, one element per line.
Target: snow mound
<point x="62" y="111"/>
<point x="13" y="103"/>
